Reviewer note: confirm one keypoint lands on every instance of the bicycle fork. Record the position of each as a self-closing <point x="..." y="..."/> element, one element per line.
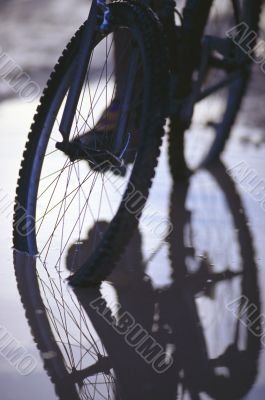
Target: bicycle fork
<point x="81" y="64"/>
<point x="79" y="77"/>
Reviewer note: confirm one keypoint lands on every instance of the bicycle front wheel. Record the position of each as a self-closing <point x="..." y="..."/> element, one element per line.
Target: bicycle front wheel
<point x="65" y="199"/>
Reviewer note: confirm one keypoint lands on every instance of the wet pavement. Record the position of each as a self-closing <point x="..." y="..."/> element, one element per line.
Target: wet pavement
<point x="184" y="292"/>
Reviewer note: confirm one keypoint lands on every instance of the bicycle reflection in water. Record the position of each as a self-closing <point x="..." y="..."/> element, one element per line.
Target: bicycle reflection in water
<point x="217" y="356"/>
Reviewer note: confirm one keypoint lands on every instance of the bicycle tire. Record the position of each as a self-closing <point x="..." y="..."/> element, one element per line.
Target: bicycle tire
<point x="140" y="20"/>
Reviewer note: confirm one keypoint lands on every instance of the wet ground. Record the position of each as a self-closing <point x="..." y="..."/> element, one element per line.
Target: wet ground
<point x="186" y="291"/>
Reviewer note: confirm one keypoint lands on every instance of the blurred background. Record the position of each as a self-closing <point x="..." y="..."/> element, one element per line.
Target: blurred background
<point x="34" y="32"/>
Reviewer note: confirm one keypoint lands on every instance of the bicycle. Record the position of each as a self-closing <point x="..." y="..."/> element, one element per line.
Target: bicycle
<point x="62" y="188"/>
<point x="84" y="355"/>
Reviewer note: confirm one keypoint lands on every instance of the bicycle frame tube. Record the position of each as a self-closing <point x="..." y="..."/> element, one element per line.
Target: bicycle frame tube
<point x="82" y="60"/>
